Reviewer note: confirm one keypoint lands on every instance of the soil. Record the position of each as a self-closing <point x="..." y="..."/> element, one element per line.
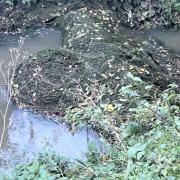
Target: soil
<point x="97" y="50"/>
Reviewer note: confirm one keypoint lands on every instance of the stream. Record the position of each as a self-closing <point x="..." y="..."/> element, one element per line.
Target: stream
<point x="168" y="38"/>
<point x="28" y="133"/>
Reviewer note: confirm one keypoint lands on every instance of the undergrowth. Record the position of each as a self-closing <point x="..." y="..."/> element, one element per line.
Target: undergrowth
<point x="142" y="126"/>
<point x="141" y="122"/>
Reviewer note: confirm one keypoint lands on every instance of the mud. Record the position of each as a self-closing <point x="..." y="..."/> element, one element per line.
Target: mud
<point x="96" y="51"/>
<point x="134" y="13"/>
<point x="39" y="133"/>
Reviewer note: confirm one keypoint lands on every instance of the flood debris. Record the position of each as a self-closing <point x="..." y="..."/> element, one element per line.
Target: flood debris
<point x="96" y="51"/>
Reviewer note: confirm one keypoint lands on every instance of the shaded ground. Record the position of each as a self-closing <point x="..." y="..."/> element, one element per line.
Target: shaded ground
<point x="135" y="14"/>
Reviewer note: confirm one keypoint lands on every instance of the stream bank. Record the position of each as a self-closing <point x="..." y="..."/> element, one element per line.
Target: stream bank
<point x="29" y="133"/>
<point x="134" y="13"/>
<point x="106" y="76"/>
<point x="96" y="51"/>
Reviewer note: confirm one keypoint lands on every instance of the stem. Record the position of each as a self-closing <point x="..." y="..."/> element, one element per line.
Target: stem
<point x="4" y="122"/>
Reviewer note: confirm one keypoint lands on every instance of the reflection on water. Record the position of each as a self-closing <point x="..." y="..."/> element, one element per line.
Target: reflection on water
<point x="28" y="133"/>
<point x="34" y="42"/>
<point x="170" y="39"/>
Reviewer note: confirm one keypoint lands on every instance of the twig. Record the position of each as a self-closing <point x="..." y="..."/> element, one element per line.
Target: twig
<point x="112" y="128"/>
<point x="15" y="55"/>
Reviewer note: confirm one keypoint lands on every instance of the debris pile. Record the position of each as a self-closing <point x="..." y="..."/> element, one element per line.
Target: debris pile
<point x="96" y="51"/>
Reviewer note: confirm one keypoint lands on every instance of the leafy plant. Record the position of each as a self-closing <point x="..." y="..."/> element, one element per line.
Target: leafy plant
<point x="142" y="126"/>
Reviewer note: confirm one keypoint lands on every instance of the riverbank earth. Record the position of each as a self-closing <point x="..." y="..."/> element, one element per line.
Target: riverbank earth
<point x="29" y="125"/>
<point x="96" y="50"/>
<point x="105" y="71"/>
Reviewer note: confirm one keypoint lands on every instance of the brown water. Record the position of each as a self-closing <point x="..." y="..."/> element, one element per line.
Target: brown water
<point x="170" y="39"/>
<point x="28" y="133"/>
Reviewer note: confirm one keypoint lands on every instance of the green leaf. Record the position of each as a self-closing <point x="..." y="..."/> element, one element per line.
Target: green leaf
<point x="148" y="87"/>
<point x="133" y="128"/>
<point x="92" y="147"/>
<point x="33" y="168"/>
<point x="137" y="79"/>
<point x="132" y="152"/>
<point x="177" y="5"/>
<point x="132" y="77"/>
<point x="171" y="178"/>
<point x="43" y="173"/>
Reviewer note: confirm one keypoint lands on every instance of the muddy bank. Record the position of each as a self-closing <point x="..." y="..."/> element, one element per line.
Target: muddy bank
<point x="168" y="38"/>
<point x="135" y="13"/>
<point x="39" y="133"/>
<point x="96" y="51"/>
<point x="19" y="17"/>
<point x="145" y="13"/>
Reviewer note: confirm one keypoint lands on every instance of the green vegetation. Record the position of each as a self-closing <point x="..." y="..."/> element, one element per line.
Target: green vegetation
<point x="171" y="9"/>
<point x="101" y="77"/>
<point x="143" y="129"/>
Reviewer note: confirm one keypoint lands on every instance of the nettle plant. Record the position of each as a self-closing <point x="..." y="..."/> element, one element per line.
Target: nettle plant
<point x="171" y="10"/>
<point x="142" y="126"/>
<point x="145" y="125"/>
<point x="138" y="103"/>
<point x="147" y="104"/>
<point x="146" y="142"/>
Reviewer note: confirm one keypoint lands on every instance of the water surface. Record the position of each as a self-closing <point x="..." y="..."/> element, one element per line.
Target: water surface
<point x="28" y="133"/>
<point x="169" y="38"/>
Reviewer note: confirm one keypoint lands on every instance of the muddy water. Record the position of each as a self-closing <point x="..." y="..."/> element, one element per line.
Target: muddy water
<point x="170" y="39"/>
<point x="28" y="133"/>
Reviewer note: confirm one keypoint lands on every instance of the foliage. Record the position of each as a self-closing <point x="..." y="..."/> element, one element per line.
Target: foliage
<point x="148" y="123"/>
<point x="146" y="130"/>
<point x="140" y="121"/>
<point x="138" y="104"/>
<point x="47" y="166"/>
<point x="171" y="9"/>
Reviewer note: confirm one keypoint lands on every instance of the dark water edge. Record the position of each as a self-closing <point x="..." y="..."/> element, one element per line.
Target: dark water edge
<point x="169" y="38"/>
<point x="29" y="133"/>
